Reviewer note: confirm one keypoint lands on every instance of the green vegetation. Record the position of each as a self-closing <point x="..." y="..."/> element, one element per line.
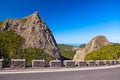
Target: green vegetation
<point x="11" y="48"/>
<point x="10" y="45"/>
<point x="82" y="45"/>
<point x="66" y="51"/>
<point x="1" y="23"/>
<point x="24" y="20"/>
<point x="107" y="52"/>
<point x="35" y="53"/>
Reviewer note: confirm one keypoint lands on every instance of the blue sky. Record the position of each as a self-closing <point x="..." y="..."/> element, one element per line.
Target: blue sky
<point x="71" y="21"/>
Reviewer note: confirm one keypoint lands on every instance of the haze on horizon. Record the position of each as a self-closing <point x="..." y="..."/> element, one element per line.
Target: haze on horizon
<point x="71" y="21"/>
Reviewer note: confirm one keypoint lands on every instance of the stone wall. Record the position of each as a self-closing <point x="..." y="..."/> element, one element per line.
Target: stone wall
<point x="82" y="63"/>
<point x="18" y="63"/>
<point x="55" y="63"/>
<point x="91" y="63"/>
<point x="21" y="63"/>
<point x="69" y="63"/>
<point x="1" y="63"/>
<point x="101" y="62"/>
<point x="38" y="63"/>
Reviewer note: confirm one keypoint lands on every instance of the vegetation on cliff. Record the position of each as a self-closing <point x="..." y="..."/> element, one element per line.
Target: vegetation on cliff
<point x="11" y="48"/>
<point x="107" y="52"/>
<point x="35" y="53"/>
<point x="1" y="23"/>
<point x="24" y="20"/>
<point x="10" y="45"/>
<point x="66" y="51"/>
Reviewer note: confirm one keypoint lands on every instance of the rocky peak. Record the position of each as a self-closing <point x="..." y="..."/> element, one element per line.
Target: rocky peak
<point x="94" y="44"/>
<point x="34" y="17"/>
<point x="36" y="33"/>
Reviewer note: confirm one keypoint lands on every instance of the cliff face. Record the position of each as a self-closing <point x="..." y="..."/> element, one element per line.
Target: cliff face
<point x="35" y="32"/>
<point x="94" y="44"/>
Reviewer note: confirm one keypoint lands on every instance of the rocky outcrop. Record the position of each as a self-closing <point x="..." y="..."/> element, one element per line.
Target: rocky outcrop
<point x="35" y="32"/>
<point x="94" y="44"/>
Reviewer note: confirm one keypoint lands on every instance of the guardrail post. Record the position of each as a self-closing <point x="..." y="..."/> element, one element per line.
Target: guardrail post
<point x="38" y="63"/>
<point x="1" y="63"/>
<point x="69" y="63"/>
<point x="18" y="63"/>
<point x="55" y="64"/>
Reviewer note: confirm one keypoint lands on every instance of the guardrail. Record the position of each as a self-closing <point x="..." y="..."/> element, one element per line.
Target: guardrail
<point x="21" y="63"/>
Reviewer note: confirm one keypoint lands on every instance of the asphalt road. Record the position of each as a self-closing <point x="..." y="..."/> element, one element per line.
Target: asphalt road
<point x="102" y="74"/>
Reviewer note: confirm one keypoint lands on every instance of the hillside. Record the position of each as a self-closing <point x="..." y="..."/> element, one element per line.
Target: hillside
<point x="96" y="43"/>
<point x="107" y="52"/>
<point x="11" y="48"/>
<point x="67" y="51"/>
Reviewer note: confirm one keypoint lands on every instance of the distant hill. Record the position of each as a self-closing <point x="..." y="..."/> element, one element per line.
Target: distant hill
<point x="96" y="43"/>
<point x="82" y="45"/>
<point x="107" y="52"/>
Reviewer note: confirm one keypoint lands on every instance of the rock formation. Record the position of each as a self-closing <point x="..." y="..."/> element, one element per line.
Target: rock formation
<point x="94" y="44"/>
<point x="35" y="32"/>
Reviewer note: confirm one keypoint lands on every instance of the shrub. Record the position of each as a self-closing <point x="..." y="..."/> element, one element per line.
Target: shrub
<point x="10" y="46"/>
<point x="35" y="53"/>
<point x="107" y="52"/>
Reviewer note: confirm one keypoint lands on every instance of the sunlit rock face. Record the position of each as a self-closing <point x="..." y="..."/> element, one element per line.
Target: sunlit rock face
<point x="35" y="32"/>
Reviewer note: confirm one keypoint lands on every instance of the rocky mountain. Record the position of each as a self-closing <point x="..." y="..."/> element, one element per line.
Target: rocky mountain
<point x="35" y="32"/>
<point x="94" y="44"/>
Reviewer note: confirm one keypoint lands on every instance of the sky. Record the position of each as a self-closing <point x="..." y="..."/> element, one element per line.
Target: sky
<point x="71" y="21"/>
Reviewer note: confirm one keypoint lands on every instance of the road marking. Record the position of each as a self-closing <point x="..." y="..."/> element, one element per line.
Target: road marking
<point x="57" y="70"/>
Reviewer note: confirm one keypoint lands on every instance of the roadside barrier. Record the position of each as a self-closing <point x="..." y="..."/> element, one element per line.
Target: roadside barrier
<point x="38" y="63"/>
<point x="1" y="63"/>
<point x="18" y="63"/>
<point x="21" y="63"/>
<point x="82" y="63"/>
<point x="69" y="63"/>
<point x="55" y="64"/>
<point x="91" y="63"/>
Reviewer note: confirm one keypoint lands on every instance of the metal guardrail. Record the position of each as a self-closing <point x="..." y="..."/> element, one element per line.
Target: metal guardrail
<point x="21" y="63"/>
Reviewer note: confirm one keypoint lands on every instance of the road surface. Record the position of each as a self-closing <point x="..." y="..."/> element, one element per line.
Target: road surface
<point x="98" y="74"/>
